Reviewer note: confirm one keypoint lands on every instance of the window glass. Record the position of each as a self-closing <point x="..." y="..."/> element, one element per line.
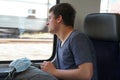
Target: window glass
<point x="23" y="31"/>
<point x="110" y="6"/>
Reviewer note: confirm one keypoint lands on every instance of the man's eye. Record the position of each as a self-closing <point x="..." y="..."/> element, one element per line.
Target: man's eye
<point x="49" y="18"/>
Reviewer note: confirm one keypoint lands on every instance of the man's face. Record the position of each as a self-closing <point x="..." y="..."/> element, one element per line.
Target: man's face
<point x="52" y="23"/>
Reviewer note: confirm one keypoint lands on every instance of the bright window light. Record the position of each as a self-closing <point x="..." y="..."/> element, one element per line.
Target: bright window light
<point x="23" y="31"/>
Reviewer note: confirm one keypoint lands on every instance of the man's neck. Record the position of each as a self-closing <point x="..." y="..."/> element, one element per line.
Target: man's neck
<point x="64" y="32"/>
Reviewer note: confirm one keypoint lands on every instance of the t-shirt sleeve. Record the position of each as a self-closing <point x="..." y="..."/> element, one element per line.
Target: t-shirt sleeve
<point x="81" y="49"/>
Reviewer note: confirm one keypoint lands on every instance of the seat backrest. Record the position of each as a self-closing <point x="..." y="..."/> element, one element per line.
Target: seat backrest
<point x="104" y="31"/>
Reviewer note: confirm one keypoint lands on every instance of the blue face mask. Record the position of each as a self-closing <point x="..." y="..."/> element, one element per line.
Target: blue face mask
<point x="20" y="64"/>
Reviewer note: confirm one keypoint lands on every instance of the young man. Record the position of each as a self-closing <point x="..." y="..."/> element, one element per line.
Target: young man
<point x="75" y="54"/>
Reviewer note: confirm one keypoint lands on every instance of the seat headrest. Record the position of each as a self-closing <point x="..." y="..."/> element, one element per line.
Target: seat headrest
<point x="103" y="26"/>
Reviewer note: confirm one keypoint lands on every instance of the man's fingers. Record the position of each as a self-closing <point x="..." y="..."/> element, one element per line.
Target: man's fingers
<point x="42" y="65"/>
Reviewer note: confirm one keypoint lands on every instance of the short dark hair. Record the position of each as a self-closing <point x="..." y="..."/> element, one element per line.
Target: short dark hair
<point x="66" y="11"/>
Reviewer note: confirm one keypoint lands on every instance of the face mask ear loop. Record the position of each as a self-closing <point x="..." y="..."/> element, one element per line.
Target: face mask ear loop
<point x="11" y="75"/>
<point x="6" y="78"/>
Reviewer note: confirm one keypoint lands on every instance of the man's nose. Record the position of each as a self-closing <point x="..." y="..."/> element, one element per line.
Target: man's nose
<point x="47" y="23"/>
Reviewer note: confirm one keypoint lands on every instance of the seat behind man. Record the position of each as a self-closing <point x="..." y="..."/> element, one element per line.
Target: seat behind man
<point x="104" y="31"/>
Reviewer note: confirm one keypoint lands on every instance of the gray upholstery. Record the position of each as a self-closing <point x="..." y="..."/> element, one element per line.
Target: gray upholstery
<point x="105" y="26"/>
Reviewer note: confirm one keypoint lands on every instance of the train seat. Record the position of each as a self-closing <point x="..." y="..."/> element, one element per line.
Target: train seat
<point x="104" y="31"/>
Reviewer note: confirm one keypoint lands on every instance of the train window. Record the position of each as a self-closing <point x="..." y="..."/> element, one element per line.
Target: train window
<point x="23" y="31"/>
<point x="110" y="6"/>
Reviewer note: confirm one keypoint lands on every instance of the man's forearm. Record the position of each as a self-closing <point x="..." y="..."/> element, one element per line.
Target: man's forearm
<point x="75" y="74"/>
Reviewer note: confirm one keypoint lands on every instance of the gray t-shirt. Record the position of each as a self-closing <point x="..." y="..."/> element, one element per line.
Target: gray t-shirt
<point x="76" y="50"/>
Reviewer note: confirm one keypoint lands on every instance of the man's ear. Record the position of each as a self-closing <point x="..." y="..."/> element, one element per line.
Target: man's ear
<point x="59" y="19"/>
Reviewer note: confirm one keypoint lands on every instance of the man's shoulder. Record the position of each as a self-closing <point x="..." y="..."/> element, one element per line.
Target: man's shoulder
<point x="78" y="34"/>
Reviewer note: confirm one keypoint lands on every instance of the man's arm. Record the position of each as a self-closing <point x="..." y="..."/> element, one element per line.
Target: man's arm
<point x="83" y="72"/>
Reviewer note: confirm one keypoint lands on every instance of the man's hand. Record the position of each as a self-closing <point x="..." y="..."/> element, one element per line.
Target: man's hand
<point x="48" y="67"/>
